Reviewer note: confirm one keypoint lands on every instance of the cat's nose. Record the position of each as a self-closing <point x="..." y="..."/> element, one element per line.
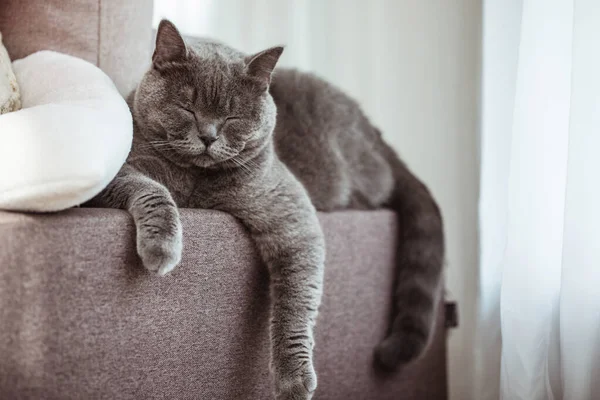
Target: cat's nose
<point x="208" y="134"/>
<point x="208" y="139"/>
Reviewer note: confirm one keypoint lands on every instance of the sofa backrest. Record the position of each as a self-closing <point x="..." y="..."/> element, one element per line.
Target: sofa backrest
<point x="112" y="34"/>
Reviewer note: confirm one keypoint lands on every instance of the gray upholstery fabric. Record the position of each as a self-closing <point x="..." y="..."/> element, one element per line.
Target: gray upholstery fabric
<point x="112" y="34"/>
<point x="81" y="319"/>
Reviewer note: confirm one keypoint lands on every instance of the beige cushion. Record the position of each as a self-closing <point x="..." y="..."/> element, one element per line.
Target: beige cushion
<point x="112" y="34"/>
<point x="10" y="98"/>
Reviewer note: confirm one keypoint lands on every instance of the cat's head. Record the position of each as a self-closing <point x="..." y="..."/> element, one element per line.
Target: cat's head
<point x="205" y="104"/>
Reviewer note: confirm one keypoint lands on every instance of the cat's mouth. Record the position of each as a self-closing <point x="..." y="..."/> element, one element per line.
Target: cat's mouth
<point x="211" y="157"/>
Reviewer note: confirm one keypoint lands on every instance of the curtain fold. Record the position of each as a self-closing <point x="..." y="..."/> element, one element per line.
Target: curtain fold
<point x="580" y="297"/>
<point x="500" y="55"/>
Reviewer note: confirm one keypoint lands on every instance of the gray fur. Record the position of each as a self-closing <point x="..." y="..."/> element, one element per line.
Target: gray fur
<point x="292" y="143"/>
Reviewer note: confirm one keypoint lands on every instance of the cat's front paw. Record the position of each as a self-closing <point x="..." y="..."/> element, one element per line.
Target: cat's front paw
<point x="160" y="251"/>
<point x="296" y="384"/>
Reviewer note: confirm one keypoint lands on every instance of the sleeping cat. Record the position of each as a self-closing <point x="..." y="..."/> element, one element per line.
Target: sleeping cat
<point x="214" y="128"/>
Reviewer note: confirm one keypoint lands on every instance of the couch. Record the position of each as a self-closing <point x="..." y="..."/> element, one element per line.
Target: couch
<point x="80" y="318"/>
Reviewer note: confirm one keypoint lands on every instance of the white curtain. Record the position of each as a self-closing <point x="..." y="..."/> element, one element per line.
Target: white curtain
<point x="539" y="330"/>
<point x="413" y="66"/>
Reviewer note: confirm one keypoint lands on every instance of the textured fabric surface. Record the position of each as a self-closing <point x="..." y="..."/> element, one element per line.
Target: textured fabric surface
<point x="112" y="34"/>
<point x="47" y="161"/>
<point x="10" y="96"/>
<point x="82" y="319"/>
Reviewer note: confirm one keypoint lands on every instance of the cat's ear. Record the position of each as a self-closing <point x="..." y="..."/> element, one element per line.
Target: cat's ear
<point x="170" y="46"/>
<point x="261" y="65"/>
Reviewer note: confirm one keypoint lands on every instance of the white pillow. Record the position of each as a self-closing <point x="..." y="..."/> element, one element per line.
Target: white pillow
<point x="69" y="140"/>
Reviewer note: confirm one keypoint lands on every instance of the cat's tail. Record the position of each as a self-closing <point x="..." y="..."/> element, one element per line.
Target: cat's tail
<point x="420" y="262"/>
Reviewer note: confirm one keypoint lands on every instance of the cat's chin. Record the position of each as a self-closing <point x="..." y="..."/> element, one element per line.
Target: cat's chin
<point x="209" y="161"/>
<point x="204" y="161"/>
<point x="188" y="161"/>
<point x="214" y="159"/>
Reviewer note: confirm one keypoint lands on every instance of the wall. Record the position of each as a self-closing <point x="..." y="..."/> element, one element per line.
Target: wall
<point x="414" y="65"/>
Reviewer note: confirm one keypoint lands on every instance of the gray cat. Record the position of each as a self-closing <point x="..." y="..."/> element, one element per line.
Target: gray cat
<point x="214" y="128"/>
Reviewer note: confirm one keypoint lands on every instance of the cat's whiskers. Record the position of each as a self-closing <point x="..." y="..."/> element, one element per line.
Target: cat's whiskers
<point x="246" y="171"/>
<point x="164" y="144"/>
<point x="243" y="166"/>
<point x="230" y="157"/>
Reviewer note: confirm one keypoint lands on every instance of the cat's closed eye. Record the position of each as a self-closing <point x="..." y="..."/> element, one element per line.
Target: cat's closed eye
<point x="187" y="109"/>
<point x="232" y="119"/>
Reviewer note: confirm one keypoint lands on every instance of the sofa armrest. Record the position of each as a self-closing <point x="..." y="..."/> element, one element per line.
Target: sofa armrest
<point x="81" y="318"/>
